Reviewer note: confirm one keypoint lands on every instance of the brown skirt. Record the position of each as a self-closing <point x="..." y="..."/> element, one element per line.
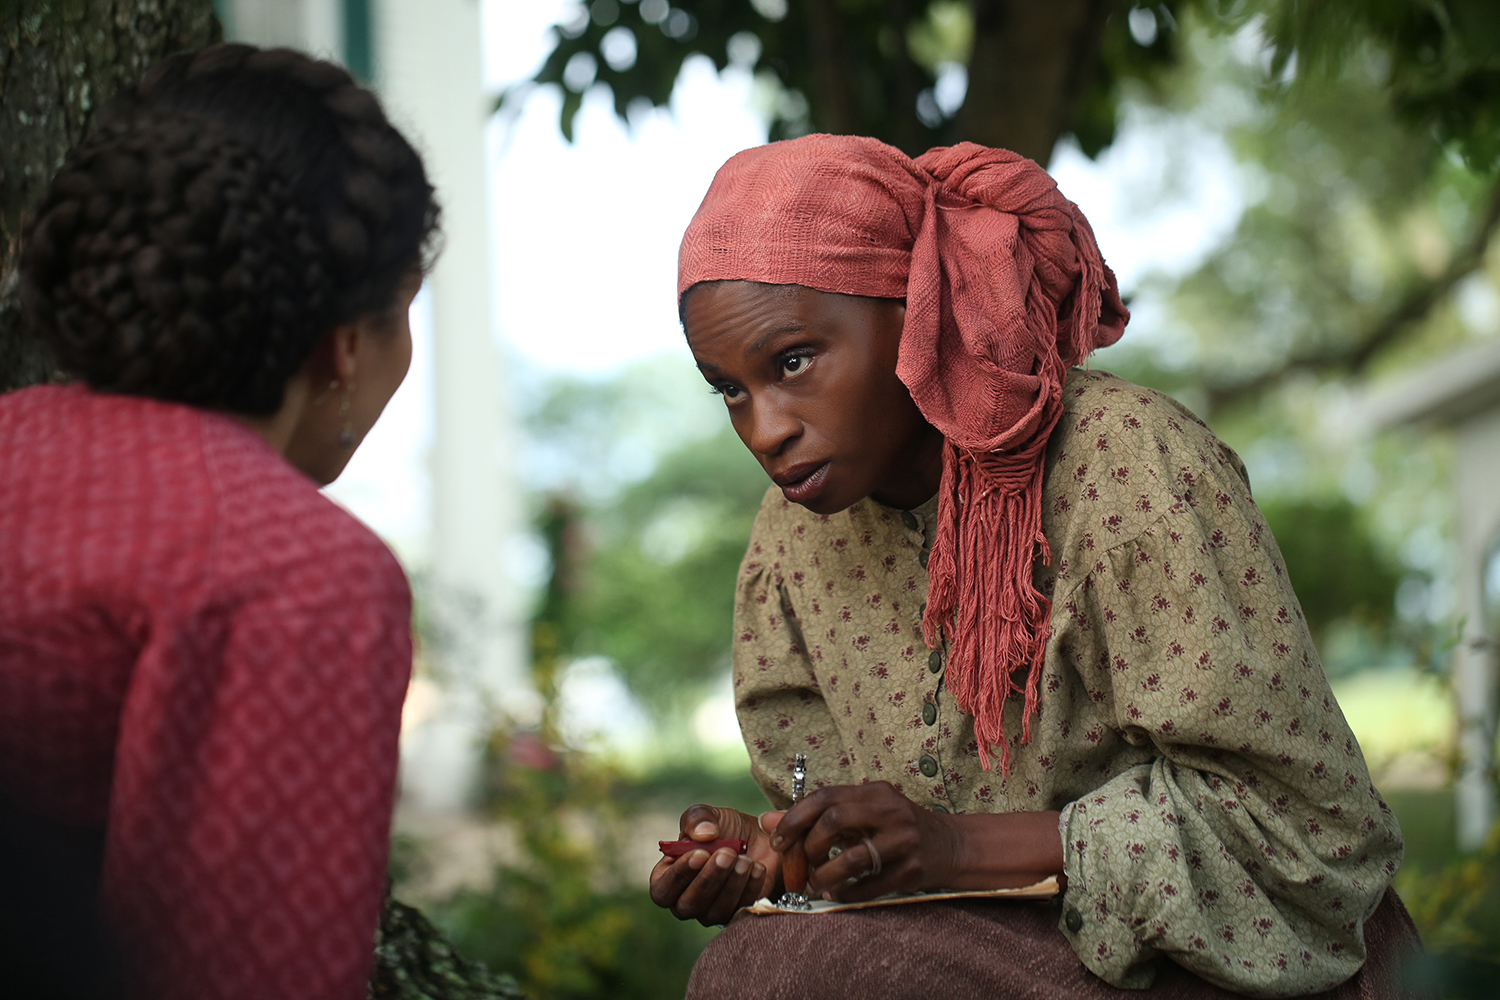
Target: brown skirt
<point x="959" y="950"/>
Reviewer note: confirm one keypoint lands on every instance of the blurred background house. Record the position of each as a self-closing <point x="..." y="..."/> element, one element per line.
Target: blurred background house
<point x="1459" y="395"/>
<point x="1300" y="201"/>
<point x="455" y="432"/>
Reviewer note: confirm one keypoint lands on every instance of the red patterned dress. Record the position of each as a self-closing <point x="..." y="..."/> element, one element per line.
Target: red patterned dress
<point x="202" y="665"/>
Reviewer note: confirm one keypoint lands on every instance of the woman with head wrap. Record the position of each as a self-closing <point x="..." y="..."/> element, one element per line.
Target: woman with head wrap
<point x="1023" y="618"/>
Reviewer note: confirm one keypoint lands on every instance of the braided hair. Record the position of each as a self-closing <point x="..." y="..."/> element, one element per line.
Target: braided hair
<point x="219" y="221"/>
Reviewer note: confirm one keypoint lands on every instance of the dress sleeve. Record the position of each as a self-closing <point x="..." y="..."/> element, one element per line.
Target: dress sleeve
<point x="776" y="694"/>
<point x="255" y="774"/>
<point x="1253" y="846"/>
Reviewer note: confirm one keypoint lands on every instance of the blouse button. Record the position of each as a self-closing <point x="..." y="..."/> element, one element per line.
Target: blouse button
<point x="909" y="519"/>
<point x="928" y="765"/>
<point x="940" y="809"/>
<point x="929" y="713"/>
<point x="935" y="660"/>
<point x="1073" y="919"/>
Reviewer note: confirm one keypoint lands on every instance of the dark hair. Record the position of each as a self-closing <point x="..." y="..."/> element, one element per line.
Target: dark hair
<point x="218" y="222"/>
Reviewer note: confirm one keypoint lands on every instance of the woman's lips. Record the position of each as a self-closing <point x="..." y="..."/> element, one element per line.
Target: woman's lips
<point x="806" y="486"/>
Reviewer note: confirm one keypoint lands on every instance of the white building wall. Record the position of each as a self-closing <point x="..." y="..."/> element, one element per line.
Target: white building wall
<point x="428" y="72"/>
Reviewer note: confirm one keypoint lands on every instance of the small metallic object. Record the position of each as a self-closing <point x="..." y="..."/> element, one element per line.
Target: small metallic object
<point x="796" y="900"/>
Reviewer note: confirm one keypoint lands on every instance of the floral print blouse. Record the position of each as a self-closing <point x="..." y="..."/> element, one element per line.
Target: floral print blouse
<point x="1216" y="808"/>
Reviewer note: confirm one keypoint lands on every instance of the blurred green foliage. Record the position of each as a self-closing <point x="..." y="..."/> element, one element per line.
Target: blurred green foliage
<point x="1336" y="567"/>
<point x="658" y="598"/>
<point x="1441" y="64"/>
<point x="650" y="564"/>
<point x="889" y="56"/>
<point x="569" y="921"/>
<point x="1456" y="907"/>
<point x="1437" y="62"/>
<point x="570" y="918"/>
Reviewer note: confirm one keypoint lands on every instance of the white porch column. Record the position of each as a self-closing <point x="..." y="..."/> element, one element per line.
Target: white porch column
<point x="1475" y="668"/>
<point x="1461" y="391"/>
<point x="311" y="25"/>
<point x="428" y="69"/>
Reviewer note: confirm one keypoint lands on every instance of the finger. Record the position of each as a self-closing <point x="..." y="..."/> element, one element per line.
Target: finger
<point x="866" y="888"/>
<point x="730" y="893"/>
<point x="844" y="823"/>
<point x="800" y="818"/>
<point x="704" y="823"/>
<point x="769" y="821"/>
<point x="700" y="822"/>
<point x="700" y="895"/>
<point x="669" y="879"/>
<point x="856" y="862"/>
<point x="762" y="883"/>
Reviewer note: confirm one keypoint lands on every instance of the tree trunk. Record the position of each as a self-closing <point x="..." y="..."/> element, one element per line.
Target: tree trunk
<point x="1032" y="63"/>
<point x="59" y="61"/>
<point x="835" y="99"/>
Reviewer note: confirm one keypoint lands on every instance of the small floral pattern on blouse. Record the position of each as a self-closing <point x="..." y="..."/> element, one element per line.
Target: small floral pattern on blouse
<point x="1216" y="808"/>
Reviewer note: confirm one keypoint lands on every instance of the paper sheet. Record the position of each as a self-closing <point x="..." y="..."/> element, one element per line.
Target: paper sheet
<point x="1045" y="889"/>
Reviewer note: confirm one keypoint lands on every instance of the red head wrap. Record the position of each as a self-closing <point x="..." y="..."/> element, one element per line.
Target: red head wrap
<point x="1004" y="289"/>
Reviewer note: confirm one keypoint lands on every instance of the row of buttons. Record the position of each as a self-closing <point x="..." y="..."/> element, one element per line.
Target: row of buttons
<point x="928" y="764"/>
<point x="910" y="520"/>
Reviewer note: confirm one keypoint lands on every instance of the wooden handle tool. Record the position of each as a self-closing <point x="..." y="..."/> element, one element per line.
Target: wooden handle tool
<point x="794" y="869"/>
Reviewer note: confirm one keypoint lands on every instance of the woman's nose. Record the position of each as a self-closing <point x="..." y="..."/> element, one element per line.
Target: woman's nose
<point x="772" y="427"/>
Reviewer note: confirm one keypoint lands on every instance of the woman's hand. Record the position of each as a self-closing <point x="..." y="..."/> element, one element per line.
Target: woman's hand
<point x="710" y="888"/>
<point x="891" y="844"/>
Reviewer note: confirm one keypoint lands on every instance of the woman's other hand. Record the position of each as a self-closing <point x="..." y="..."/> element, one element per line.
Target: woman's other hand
<point x="890" y="844"/>
<point x="708" y="887"/>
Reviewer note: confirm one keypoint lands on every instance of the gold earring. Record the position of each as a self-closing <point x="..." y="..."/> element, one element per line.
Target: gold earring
<point x="346" y="436"/>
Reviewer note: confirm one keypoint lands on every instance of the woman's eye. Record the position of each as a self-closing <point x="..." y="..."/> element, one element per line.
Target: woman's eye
<point x="729" y="392"/>
<point x="794" y="365"/>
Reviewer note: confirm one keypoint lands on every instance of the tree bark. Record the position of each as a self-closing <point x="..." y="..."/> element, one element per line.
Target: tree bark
<point x="413" y="961"/>
<point x="59" y="61"/>
<point x="1031" y="65"/>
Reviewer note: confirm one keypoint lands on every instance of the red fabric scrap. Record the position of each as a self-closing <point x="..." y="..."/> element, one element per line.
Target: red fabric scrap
<point x="677" y="848"/>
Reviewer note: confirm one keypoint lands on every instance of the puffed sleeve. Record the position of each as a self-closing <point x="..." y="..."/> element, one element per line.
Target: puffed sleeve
<point x="256" y="764"/>
<point x="776" y="694"/>
<point x="1253" y="846"/>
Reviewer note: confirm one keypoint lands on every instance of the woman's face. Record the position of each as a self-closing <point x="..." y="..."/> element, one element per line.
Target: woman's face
<point x="368" y="359"/>
<point x="810" y="382"/>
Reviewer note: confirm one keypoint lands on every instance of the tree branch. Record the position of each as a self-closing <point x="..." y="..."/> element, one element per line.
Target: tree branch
<point x="1353" y="356"/>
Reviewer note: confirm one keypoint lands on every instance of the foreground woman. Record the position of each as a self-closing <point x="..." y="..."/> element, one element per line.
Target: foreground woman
<point x="1024" y="619"/>
<point x="202" y="659"/>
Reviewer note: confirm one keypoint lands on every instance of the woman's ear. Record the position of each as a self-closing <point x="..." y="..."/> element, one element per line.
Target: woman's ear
<point x="343" y="352"/>
<point x="333" y="360"/>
